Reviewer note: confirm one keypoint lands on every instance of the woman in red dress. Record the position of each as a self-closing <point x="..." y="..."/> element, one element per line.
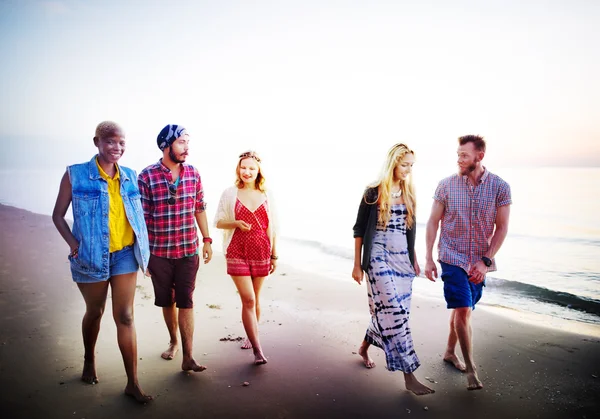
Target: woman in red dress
<point x="246" y="216"/>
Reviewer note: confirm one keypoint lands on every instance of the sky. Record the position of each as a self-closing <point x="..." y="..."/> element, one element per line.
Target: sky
<point x="306" y="83"/>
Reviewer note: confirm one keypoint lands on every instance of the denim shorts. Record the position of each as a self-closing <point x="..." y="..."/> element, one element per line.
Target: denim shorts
<point x="458" y="290"/>
<point x="120" y="262"/>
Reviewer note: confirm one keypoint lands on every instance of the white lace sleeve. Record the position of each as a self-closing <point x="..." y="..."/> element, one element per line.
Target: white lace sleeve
<point x="273" y="215"/>
<point x="221" y="213"/>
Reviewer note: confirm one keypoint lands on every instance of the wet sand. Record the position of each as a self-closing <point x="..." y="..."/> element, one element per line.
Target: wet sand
<point x="310" y="329"/>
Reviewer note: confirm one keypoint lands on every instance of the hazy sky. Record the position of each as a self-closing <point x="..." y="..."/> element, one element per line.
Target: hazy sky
<point x="345" y="78"/>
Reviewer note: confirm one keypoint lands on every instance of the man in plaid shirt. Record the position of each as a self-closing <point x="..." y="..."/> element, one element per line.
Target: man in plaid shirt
<point x="173" y="202"/>
<point x="473" y="207"/>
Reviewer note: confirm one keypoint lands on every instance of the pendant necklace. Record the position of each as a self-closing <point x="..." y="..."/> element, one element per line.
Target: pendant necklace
<point x="396" y="195"/>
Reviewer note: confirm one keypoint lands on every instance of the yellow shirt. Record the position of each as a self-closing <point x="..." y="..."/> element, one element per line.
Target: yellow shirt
<point x="119" y="229"/>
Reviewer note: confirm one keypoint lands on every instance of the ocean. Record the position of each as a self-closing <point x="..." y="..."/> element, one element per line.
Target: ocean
<point x="548" y="265"/>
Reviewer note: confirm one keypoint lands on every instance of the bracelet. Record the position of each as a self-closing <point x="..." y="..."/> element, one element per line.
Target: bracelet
<point x="273" y="257"/>
<point x="74" y="253"/>
<point x="206" y="240"/>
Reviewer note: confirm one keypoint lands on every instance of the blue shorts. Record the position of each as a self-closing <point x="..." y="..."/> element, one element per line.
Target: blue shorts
<point x="120" y="262"/>
<point x="458" y="290"/>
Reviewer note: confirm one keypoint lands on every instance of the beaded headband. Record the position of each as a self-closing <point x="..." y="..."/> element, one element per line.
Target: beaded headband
<point x="250" y="154"/>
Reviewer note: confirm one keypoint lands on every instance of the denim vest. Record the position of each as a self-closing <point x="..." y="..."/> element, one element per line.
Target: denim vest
<point x="90" y="218"/>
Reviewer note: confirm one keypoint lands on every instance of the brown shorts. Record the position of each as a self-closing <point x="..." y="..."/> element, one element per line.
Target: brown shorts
<point x="174" y="280"/>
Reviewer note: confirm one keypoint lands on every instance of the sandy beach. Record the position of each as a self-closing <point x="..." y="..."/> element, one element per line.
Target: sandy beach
<point x="311" y="328"/>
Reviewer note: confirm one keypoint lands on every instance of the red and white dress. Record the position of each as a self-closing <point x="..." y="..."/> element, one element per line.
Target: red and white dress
<point x="249" y="252"/>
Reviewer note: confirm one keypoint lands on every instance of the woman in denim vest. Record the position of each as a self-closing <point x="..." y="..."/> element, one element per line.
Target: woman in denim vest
<point x="109" y="243"/>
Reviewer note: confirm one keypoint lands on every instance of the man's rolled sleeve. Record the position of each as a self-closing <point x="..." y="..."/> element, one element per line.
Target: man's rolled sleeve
<point x="441" y="193"/>
<point x="200" y="204"/>
<point x="504" y="196"/>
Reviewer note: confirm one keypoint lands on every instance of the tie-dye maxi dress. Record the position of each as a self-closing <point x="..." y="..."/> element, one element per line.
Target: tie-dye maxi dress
<point x="390" y="287"/>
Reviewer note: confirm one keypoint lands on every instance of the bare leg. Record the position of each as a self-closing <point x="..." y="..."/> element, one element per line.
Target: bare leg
<point x="170" y="316"/>
<point x="186" y="327"/>
<point x="414" y="385"/>
<point x="94" y="295"/>
<point x="462" y="324"/>
<point x="247" y="344"/>
<point x="257" y="284"/>
<point x="246" y="287"/>
<point x="123" y="293"/>
<point x="450" y="355"/>
<point x="363" y="351"/>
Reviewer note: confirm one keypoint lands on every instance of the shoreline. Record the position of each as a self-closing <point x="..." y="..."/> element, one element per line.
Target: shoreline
<point x="543" y="320"/>
<point x="422" y="288"/>
<point x="342" y="264"/>
<point x="526" y="317"/>
<point x="310" y="329"/>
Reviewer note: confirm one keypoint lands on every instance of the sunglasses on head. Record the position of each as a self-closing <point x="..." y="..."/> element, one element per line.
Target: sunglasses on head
<point x="250" y="154"/>
<point x="173" y="193"/>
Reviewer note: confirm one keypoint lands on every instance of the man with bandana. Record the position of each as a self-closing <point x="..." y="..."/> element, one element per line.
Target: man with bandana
<point x="173" y="203"/>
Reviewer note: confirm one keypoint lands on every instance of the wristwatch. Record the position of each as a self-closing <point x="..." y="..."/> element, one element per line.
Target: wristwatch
<point x="486" y="261"/>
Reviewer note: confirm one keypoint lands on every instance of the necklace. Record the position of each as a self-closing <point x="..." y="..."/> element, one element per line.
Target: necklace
<point x="396" y="195"/>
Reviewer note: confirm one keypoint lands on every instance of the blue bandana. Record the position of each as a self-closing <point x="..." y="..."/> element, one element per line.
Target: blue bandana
<point x="169" y="134"/>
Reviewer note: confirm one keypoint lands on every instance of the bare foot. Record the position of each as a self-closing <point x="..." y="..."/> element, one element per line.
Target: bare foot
<point x="369" y="363"/>
<point x="259" y="358"/>
<point x="247" y="344"/>
<point x="473" y="380"/>
<point x="457" y="363"/>
<point x="137" y="393"/>
<point x="170" y="352"/>
<point x="89" y="372"/>
<point x="192" y="365"/>
<point x="414" y="385"/>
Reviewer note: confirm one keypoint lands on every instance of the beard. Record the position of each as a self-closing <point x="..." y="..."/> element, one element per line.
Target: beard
<point x="174" y="158"/>
<point x="470" y="168"/>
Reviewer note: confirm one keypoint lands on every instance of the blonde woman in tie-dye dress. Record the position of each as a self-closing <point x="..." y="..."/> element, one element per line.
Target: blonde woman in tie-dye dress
<point x="384" y="236"/>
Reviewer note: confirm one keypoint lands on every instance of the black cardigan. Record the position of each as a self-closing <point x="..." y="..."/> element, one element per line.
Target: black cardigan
<point x="366" y="224"/>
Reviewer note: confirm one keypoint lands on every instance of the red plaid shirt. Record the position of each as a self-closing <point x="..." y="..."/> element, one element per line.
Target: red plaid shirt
<point x="172" y="229"/>
<point x="469" y="217"/>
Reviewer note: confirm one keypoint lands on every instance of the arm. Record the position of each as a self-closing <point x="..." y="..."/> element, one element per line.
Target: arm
<point x="502" y="216"/>
<point x="360" y="227"/>
<point x="478" y="271"/>
<point x="411" y="234"/>
<point x="230" y="225"/>
<point x="63" y="200"/>
<point x="221" y="218"/>
<point x="357" y="272"/>
<point x="201" y="219"/>
<point x="437" y="212"/>
<point x="203" y="226"/>
<point x="273" y="238"/>
<point x="416" y="263"/>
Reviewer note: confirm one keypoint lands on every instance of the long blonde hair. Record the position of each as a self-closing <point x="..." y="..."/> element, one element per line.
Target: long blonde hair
<point x="384" y="187"/>
<point x="259" y="183"/>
